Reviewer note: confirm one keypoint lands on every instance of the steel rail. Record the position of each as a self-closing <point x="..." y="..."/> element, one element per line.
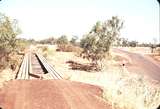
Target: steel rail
<point x="49" y="67"/>
<point x="23" y="71"/>
<point x="26" y="69"/>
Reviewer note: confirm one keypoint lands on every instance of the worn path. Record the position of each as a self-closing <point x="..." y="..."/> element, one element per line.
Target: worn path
<point x="142" y="64"/>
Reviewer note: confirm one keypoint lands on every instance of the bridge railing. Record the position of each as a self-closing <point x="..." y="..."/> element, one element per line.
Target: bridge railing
<point x="49" y="67"/>
<point x="23" y="72"/>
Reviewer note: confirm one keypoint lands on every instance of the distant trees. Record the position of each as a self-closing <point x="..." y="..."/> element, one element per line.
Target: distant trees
<point x="99" y="40"/>
<point x="73" y="40"/>
<point x="154" y="45"/>
<point x="50" y="40"/>
<point x="62" y="40"/>
<point x="121" y="42"/>
<point x="63" y="44"/>
<point x="22" y="43"/>
<point x="125" y="42"/>
<point x="133" y="43"/>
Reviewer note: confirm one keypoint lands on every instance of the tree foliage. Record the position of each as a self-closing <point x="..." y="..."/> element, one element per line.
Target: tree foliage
<point x="122" y="42"/>
<point x="62" y="40"/>
<point x="50" y="40"/>
<point x="99" y="40"/>
<point x="8" y="32"/>
<point x="73" y="40"/>
<point x="133" y="43"/>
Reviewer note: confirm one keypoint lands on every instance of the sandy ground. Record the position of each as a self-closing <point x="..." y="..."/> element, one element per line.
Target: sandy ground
<point x="113" y="75"/>
<point x="59" y="59"/>
<point x="140" y="50"/>
<point x="51" y="94"/>
<point x="135" y="63"/>
<point x="6" y="75"/>
<point x="72" y="94"/>
<point x="155" y="57"/>
<point x="142" y="64"/>
<point x="143" y="51"/>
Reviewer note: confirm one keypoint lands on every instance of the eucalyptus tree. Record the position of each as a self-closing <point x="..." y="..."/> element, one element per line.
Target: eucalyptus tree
<point x="62" y="40"/>
<point x="99" y="40"/>
<point x="8" y="31"/>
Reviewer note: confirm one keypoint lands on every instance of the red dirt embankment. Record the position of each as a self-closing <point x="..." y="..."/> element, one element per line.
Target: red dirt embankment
<point x="51" y="94"/>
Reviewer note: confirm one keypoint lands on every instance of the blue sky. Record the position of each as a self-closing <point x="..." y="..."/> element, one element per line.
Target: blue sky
<point x="39" y="19"/>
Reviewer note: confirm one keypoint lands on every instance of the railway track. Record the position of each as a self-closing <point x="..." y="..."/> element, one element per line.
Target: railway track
<point x="35" y="66"/>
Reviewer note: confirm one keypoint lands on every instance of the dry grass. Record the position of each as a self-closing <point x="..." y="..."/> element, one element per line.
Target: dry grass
<point x="68" y="48"/>
<point x="11" y="67"/>
<point x="156" y="54"/>
<point x="132" y="92"/>
<point x="155" y="57"/>
<point x="121" y="89"/>
<point x="140" y="50"/>
<point x="6" y="75"/>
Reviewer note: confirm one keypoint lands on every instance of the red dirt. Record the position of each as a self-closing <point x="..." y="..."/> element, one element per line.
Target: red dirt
<point x="121" y="60"/>
<point x="155" y="57"/>
<point x="51" y="94"/>
<point x="142" y="64"/>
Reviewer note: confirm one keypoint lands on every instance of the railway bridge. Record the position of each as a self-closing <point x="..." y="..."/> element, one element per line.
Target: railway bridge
<point x="35" y="66"/>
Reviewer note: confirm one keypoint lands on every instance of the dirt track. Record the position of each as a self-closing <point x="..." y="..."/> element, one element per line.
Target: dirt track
<point x="142" y="64"/>
<point x="51" y="94"/>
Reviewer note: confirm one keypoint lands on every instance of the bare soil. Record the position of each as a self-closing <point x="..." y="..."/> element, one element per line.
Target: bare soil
<point x="142" y="64"/>
<point x="155" y="57"/>
<point x="51" y="94"/>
